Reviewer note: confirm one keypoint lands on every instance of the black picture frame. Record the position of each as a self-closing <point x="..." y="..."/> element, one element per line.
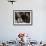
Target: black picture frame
<point x="22" y="13"/>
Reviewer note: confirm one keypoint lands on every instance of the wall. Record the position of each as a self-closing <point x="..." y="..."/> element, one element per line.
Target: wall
<point x="38" y="29"/>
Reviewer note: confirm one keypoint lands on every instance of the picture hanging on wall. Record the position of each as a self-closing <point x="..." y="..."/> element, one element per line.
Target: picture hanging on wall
<point x="22" y="17"/>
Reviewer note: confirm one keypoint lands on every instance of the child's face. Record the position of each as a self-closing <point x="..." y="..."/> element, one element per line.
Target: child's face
<point x="27" y="14"/>
<point x="18" y="14"/>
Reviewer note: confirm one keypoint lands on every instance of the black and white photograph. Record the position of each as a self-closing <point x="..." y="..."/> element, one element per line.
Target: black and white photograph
<point x="22" y="17"/>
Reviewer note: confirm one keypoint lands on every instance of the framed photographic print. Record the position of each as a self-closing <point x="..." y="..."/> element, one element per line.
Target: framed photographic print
<point x="22" y="17"/>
